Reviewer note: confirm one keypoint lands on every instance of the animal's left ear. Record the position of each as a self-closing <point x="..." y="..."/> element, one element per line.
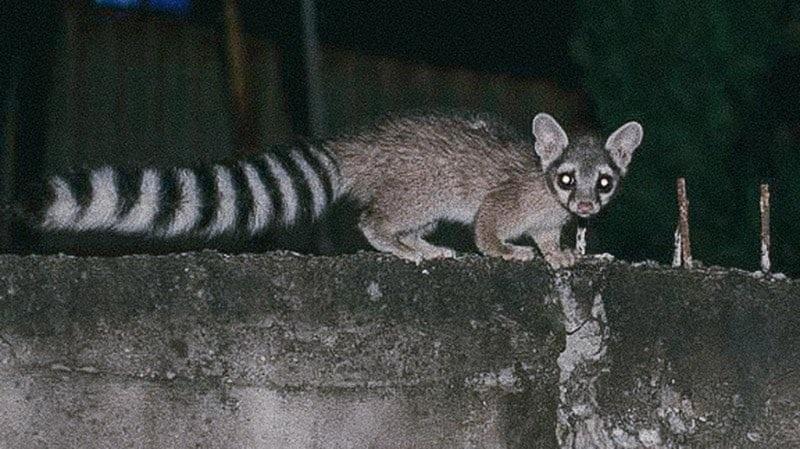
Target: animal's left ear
<point x="551" y="140"/>
<point x="622" y="142"/>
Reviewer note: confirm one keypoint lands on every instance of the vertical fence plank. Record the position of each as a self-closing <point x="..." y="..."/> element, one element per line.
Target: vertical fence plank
<point x="766" y="264"/>
<point x="246" y="132"/>
<point x="683" y="223"/>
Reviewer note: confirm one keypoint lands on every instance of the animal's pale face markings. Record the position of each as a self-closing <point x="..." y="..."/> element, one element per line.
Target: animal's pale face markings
<point x="566" y="180"/>
<point x="583" y="189"/>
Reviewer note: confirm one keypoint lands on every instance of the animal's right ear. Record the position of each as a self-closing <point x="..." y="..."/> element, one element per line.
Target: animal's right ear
<point x="550" y="138"/>
<point x="622" y="142"/>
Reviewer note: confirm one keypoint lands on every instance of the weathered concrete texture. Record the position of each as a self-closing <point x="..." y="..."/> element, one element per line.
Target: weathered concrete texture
<point x="213" y="351"/>
<point x="697" y="359"/>
<point x="278" y="350"/>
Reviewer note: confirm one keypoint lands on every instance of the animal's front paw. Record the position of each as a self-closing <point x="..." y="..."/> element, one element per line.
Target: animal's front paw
<point x="440" y="253"/>
<point x="429" y="253"/>
<point x="560" y="259"/>
<point x="519" y="253"/>
<point x="414" y="258"/>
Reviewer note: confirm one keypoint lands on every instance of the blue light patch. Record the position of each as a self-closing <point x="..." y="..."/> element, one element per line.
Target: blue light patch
<point x="122" y="4"/>
<point x="174" y="6"/>
<point x="180" y="7"/>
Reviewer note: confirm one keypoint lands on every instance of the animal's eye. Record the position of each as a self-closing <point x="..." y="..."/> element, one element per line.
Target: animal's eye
<point x="605" y="183"/>
<point x="566" y="181"/>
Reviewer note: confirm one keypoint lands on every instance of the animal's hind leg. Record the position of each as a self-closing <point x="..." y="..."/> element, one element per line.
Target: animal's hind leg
<point x="400" y="238"/>
<point x="414" y="240"/>
<point x="379" y="233"/>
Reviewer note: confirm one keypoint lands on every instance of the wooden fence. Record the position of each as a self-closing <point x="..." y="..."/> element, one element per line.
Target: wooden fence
<point x="146" y="90"/>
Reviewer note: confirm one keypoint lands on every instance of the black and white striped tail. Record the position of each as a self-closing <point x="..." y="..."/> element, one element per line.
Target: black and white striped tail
<point x="279" y="188"/>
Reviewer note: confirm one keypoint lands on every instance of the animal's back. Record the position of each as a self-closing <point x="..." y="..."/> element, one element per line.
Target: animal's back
<point x="436" y="154"/>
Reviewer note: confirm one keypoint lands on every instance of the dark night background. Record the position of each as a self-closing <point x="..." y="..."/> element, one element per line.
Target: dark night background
<point x="715" y="85"/>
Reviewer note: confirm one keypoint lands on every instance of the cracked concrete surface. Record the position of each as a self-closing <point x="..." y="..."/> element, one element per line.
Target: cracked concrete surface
<point x="280" y="350"/>
<point x="579" y="421"/>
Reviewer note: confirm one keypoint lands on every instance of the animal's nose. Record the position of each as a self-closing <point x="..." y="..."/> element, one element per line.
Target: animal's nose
<point x="585" y="206"/>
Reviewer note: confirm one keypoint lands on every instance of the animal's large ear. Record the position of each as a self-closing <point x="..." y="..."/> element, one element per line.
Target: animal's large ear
<point x="550" y="138"/>
<point x="622" y="142"/>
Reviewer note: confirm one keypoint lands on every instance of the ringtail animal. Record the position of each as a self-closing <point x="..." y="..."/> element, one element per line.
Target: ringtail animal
<point x="406" y="172"/>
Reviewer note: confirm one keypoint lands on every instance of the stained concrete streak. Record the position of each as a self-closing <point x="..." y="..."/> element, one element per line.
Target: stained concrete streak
<point x="580" y="423"/>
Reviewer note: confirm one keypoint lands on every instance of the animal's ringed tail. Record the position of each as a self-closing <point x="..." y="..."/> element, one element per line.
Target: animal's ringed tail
<point x="280" y="187"/>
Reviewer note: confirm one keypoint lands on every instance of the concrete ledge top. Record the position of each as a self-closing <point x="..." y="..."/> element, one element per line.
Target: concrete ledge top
<point x="276" y="319"/>
<point x="287" y="319"/>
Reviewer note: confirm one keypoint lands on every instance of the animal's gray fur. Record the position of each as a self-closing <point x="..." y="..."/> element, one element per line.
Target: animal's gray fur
<point x="412" y="171"/>
<point x="408" y="172"/>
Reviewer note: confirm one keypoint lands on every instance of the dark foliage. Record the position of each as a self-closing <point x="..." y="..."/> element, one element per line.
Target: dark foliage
<point x="696" y="74"/>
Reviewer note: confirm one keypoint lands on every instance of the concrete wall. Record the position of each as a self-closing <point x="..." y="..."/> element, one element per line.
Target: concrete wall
<point x="366" y="351"/>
